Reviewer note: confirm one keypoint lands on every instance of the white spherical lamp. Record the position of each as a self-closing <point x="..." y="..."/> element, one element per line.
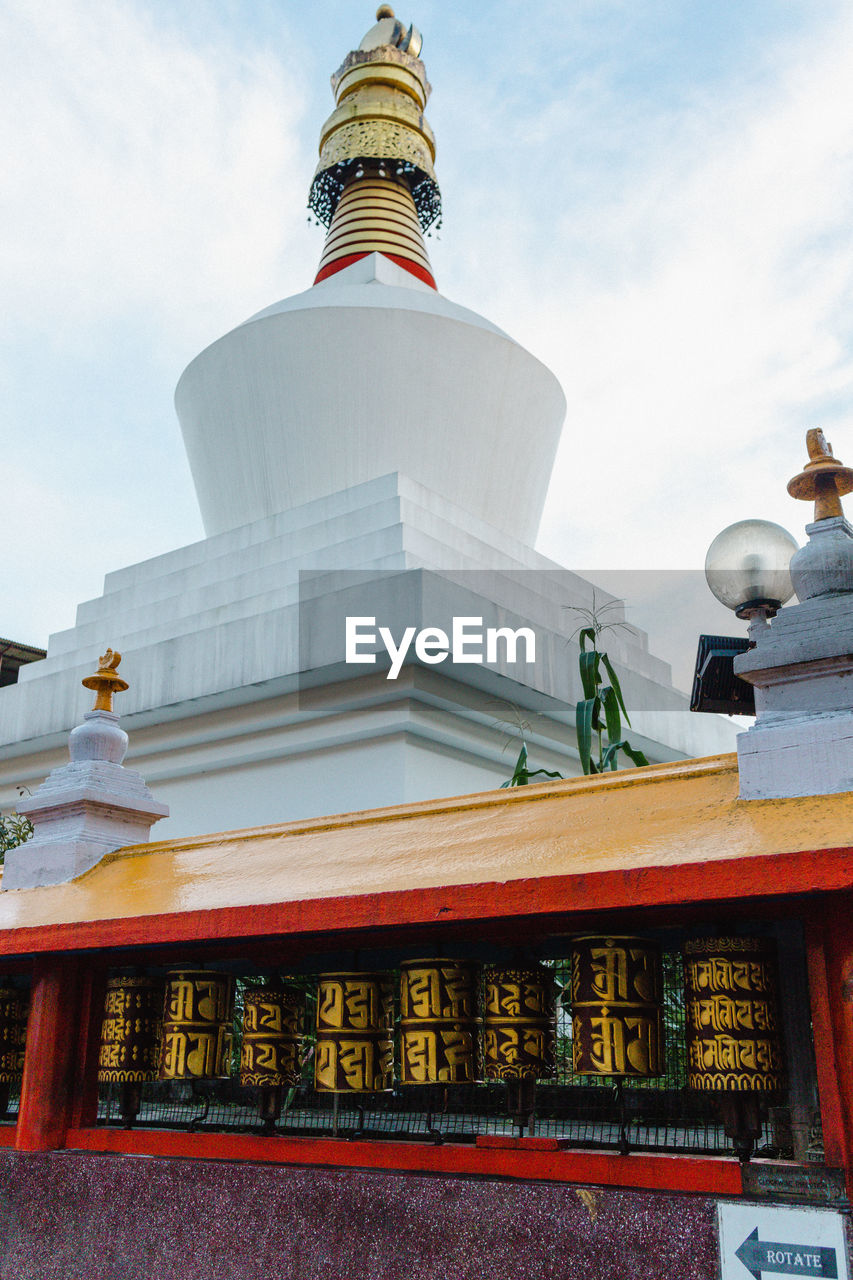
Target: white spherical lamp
<point x="747" y="567"/>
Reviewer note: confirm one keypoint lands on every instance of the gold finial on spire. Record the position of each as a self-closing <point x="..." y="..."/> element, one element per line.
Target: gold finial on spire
<point x="106" y="681"/>
<point x="824" y="478"/>
<point x="378" y="130"/>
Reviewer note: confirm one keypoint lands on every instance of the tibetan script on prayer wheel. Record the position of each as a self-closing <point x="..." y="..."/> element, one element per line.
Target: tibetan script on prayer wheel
<point x="273" y="1033"/>
<point x="130" y="1032"/>
<point x="733" y="1034"/>
<point x="439" y="1023"/>
<point x="617" y="990"/>
<point x="196" y="1025"/>
<point x="355" y="1033"/>
<point x="13" y="1033"/>
<point x="519" y="1029"/>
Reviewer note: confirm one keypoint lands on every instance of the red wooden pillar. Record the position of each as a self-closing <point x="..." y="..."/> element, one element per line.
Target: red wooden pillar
<point x="831" y="980"/>
<point x="47" y="1089"/>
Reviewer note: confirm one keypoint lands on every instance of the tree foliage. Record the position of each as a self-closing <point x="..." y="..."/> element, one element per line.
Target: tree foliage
<point x="14" y="830"/>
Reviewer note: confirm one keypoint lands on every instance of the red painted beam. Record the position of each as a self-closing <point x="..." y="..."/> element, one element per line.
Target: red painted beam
<point x="707" y="883"/>
<point x="696" y="1174"/>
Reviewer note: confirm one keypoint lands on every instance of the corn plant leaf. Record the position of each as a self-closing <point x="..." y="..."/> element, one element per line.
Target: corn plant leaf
<point x="614" y="680"/>
<point x="522" y="775"/>
<point x="588" y="665"/>
<point x="519" y="774"/>
<point x="634" y="754"/>
<point x="584" y="714"/>
<point x="613" y="720"/>
<point x="609" y="758"/>
<point x="588" y="633"/>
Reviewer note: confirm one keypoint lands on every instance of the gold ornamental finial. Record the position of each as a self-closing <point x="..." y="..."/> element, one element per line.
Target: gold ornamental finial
<point x="106" y="681"/>
<point x="824" y="478"/>
<point x="378" y="131"/>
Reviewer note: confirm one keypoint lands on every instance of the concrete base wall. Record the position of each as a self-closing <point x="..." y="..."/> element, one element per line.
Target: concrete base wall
<point x="73" y="1215"/>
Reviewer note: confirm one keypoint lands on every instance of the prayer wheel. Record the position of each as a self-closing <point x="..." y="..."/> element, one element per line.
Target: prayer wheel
<point x="273" y="1033"/>
<point x="733" y="1036"/>
<point x="355" y="1033"/>
<point x="130" y="1031"/>
<point x="196" y="1025"/>
<point x="519" y="1031"/>
<point x="13" y="1035"/>
<point x="439" y="1023"/>
<point x="617" y="996"/>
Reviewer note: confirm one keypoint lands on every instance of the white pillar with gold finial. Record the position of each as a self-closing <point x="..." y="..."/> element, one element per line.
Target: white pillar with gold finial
<point x="90" y="806"/>
<point x="802" y="664"/>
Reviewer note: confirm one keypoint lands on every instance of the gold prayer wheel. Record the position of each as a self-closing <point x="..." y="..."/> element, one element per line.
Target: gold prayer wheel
<point x="355" y="1033"/>
<point x="733" y="1035"/>
<point x="273" y="1033"/>
<point x="439" y="1023"/>
<point x="13" y="1033"/>
<point x="130" y="1031"/>
<point x="196" y="1025"/>
<point x="519" y="1030"/>
<point x="617" y="996"/>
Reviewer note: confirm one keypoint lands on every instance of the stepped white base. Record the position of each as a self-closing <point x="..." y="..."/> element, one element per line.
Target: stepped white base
<point x="241" y="710"/>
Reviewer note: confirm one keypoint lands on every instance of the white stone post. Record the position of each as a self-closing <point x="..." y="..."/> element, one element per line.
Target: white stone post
<point x="88" y="807"/>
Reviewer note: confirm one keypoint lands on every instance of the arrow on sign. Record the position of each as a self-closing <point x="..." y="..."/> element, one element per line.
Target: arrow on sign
<point x="786" y="1259"/>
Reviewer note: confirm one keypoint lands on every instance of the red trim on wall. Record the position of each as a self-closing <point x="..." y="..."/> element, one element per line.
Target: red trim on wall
<point x="340" y="264"/>
<point x="7" y="1135"/>
<point x="706" y="884"/>
<point x="652" y="1172"/>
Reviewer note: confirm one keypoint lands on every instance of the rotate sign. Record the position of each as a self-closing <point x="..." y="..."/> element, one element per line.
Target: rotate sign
<point x="766" y="1242"/>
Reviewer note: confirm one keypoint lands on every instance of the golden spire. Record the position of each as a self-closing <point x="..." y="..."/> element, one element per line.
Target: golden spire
<point x="106" y="681"/>
<point x="375" y="186"/>
<point x="824" y="478"/>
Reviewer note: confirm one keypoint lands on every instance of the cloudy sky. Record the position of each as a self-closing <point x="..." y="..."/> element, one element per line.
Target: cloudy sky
<point x="654" y="196"/>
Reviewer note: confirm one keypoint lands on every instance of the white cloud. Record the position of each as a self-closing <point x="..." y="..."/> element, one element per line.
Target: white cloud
<point x="151" y="187"/>
<point x="720" y="328"/>
<point x="142" y="174"/>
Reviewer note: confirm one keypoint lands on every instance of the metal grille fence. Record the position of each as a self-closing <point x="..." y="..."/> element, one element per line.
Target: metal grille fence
<point x="10" y="1115"/>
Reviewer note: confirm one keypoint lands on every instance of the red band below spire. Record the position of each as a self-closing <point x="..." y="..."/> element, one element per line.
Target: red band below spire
<point x="340" y="264"/>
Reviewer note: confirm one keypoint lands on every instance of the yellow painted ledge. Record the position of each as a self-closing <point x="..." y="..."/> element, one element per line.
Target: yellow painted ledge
<point x="658" y="816"/>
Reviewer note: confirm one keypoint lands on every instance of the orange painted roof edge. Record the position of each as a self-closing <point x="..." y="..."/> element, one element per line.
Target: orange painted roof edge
<point x="662" y="819"/>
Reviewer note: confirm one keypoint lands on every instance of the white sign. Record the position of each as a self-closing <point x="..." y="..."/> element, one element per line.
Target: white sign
<point x="768" y="1242"/>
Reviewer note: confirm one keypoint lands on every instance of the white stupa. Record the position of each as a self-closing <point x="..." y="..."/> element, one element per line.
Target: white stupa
<point x="354" y="451"/>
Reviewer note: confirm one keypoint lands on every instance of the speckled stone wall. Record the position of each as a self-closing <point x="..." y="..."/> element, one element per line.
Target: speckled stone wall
<point x="78" y="1216"/>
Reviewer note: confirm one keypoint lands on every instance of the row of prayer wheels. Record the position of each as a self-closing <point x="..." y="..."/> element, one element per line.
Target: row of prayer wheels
<point x="181" y="1029"/>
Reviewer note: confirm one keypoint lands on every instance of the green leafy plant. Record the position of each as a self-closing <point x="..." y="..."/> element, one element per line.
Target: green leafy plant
<point x="15" y="829"/>
<point x="522" y="775"/>
<point x="603" y="707"/>
<point x="518" y="728"/>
